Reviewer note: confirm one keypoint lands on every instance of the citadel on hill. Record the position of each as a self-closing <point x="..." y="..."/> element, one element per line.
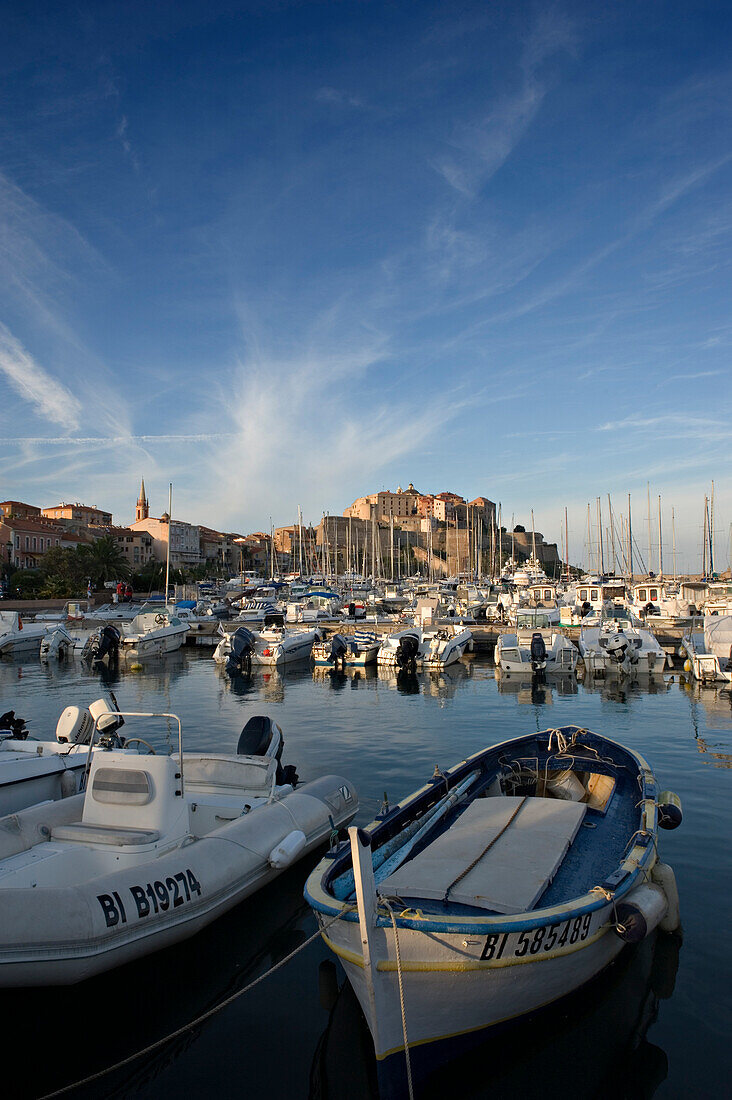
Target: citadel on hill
<point x="401" y="531"/>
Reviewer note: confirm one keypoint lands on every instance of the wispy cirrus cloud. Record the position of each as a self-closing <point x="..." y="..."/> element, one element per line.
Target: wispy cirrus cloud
<point x="481" y="146"/>
<point x="49" y="397"/>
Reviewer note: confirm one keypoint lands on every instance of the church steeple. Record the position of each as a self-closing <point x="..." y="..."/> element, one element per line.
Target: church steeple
<point x="142" y="511"/>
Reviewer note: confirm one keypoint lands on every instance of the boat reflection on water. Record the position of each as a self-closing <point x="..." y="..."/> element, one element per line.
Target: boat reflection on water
<point x="537" y="690"/>
<point x="624" y="689"/>
<point x="591" y="1044"/>
<point x="119" y="1013"/>
<point x="353" y="676"/>
<point x="433" y="683"/>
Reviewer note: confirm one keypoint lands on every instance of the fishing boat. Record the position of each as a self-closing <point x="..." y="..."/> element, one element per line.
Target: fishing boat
<point x="346" y="651"/>
<point x="420" y="648"/>
<point x="500" y="886"/>
<point x="155" y="848"/>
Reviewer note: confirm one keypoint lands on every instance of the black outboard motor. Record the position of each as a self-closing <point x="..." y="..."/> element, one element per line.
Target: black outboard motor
<point x="263" y="737"/>
<point x="240" y="658"/>
<point x="109" y="639"/>
<point x="538" y="652"/>
<point x="10" y="726"/>
<point x="351" y="610"/>
<point x="585" y="609"/>
<point x="338" y="649"/>
<point x="407" y="650"/>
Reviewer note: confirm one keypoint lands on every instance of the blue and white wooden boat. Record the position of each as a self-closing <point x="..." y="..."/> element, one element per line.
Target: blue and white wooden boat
<point x="499" y="887"/>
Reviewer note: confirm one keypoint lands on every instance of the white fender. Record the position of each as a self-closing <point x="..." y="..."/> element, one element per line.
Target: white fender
<point x="288" y="850"/>
<point x="664" y="876"/>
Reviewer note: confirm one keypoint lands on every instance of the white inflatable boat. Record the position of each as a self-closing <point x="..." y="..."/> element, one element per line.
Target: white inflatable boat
<point x="152" y="852"/>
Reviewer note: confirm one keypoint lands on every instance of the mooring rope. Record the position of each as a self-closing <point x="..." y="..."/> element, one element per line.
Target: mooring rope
<point x="198" y="1020"/>
<point x="407" y="1056"/>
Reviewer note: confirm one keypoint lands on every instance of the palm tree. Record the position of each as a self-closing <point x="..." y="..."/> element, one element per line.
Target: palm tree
<point x="106" y="561"/>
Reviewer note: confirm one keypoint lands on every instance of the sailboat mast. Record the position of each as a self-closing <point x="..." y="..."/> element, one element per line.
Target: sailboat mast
<point x="630" y="541"/>
<point x="650" y="543"/>
<point x="660" y="539"/>
<point x="167" y="555"/>
<point x="673" y="536"/>
<point x="566" y="541"/>
<point x="600" y="549"/>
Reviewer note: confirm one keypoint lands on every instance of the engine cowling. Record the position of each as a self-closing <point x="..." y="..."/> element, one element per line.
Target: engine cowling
<point x="242" y="647"/>
<point x="407" y="650"/>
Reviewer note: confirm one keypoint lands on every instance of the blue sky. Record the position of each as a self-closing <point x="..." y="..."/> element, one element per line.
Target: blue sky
<point x="288" y="253"/>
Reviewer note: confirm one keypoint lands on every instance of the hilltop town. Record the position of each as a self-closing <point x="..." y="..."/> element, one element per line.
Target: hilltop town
<point x="383" y="532"/>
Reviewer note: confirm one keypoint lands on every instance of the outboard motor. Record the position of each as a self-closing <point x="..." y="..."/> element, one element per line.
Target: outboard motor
<point x="617" y="647"/>
<point x="76" y="724"/>
<point x="407" y="650"/>
<point x="538" y="652"/>
<point x="240" y="658"/>
<point x="105" y="642"/>
<point x="585" y="609"/>
<point x="12" y="727"/>
<point x="56" y="643"/>
<point x="338" y="649"/>
<point x="263" y="737"/>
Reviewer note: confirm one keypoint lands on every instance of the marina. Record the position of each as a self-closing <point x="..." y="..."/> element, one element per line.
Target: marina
<point x="329" y="719"/>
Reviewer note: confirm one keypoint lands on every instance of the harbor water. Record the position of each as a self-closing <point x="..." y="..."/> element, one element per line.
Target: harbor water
<point x="656" y="1024"/>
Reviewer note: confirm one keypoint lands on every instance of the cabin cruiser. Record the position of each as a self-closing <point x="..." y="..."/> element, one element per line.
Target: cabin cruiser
<point x="136" y="862"/>
<point x="418" y="647"/>
<point x="616" y="645"/>
<point x="655" y="598"/>
<point x="314" y="606"/>
<point x="708" y="651"/>
<point x="532" y="650"/>
<point x="274" y="645"/>
<point x="347" y="651"/>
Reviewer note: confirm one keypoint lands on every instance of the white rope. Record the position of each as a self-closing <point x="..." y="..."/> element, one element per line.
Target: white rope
<point x="407" y="1057"/>
<point x="199" y="1019"/>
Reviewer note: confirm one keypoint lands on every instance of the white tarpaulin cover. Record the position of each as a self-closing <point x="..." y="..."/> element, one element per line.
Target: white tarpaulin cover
<point x="514" y="871"/>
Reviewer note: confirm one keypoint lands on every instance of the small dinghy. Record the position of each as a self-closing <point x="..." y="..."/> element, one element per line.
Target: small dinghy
<point x="156" y="848"/>
<point x="503" y="884"/>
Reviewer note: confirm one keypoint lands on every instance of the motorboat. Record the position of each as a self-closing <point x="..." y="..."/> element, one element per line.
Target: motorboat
<point x="19" y="637"/>
<point x="155" y="848"/>
<point x="416" y="647"/>
<point x="501" y="885"/>
<point x="617" y="646"/>
<point x="33" y="771"/>
<point x="275" y="645"/>
<point x="533" y="651"/>
<point x="345" y="651"/>
<point x="708" y="652"/>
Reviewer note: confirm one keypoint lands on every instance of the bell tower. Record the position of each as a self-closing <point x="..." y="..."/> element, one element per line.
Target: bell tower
<point x="142" y="510"/>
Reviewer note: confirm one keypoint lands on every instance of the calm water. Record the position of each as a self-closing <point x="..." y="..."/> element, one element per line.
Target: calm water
<point x="659" y="1023"/>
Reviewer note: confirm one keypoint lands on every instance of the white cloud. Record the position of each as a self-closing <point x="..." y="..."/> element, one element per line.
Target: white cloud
<point x="34" y="384"/>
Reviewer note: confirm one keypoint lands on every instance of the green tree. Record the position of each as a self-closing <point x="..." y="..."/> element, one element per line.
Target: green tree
<point x="105" y="561"/>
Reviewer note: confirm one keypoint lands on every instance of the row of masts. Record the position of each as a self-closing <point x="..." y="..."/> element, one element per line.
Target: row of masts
<point x="477" y="549"/>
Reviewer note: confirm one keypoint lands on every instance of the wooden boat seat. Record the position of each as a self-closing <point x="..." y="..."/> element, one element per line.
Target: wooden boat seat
<point x="500" y="854"/>
<point x="104" y="834"/>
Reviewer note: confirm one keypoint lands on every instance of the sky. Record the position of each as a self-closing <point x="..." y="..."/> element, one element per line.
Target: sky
<point x="288" y="253"/>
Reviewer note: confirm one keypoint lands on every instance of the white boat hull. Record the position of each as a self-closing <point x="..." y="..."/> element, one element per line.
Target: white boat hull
<point x="63" y="934"/>
<point x="449" y="990"/>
